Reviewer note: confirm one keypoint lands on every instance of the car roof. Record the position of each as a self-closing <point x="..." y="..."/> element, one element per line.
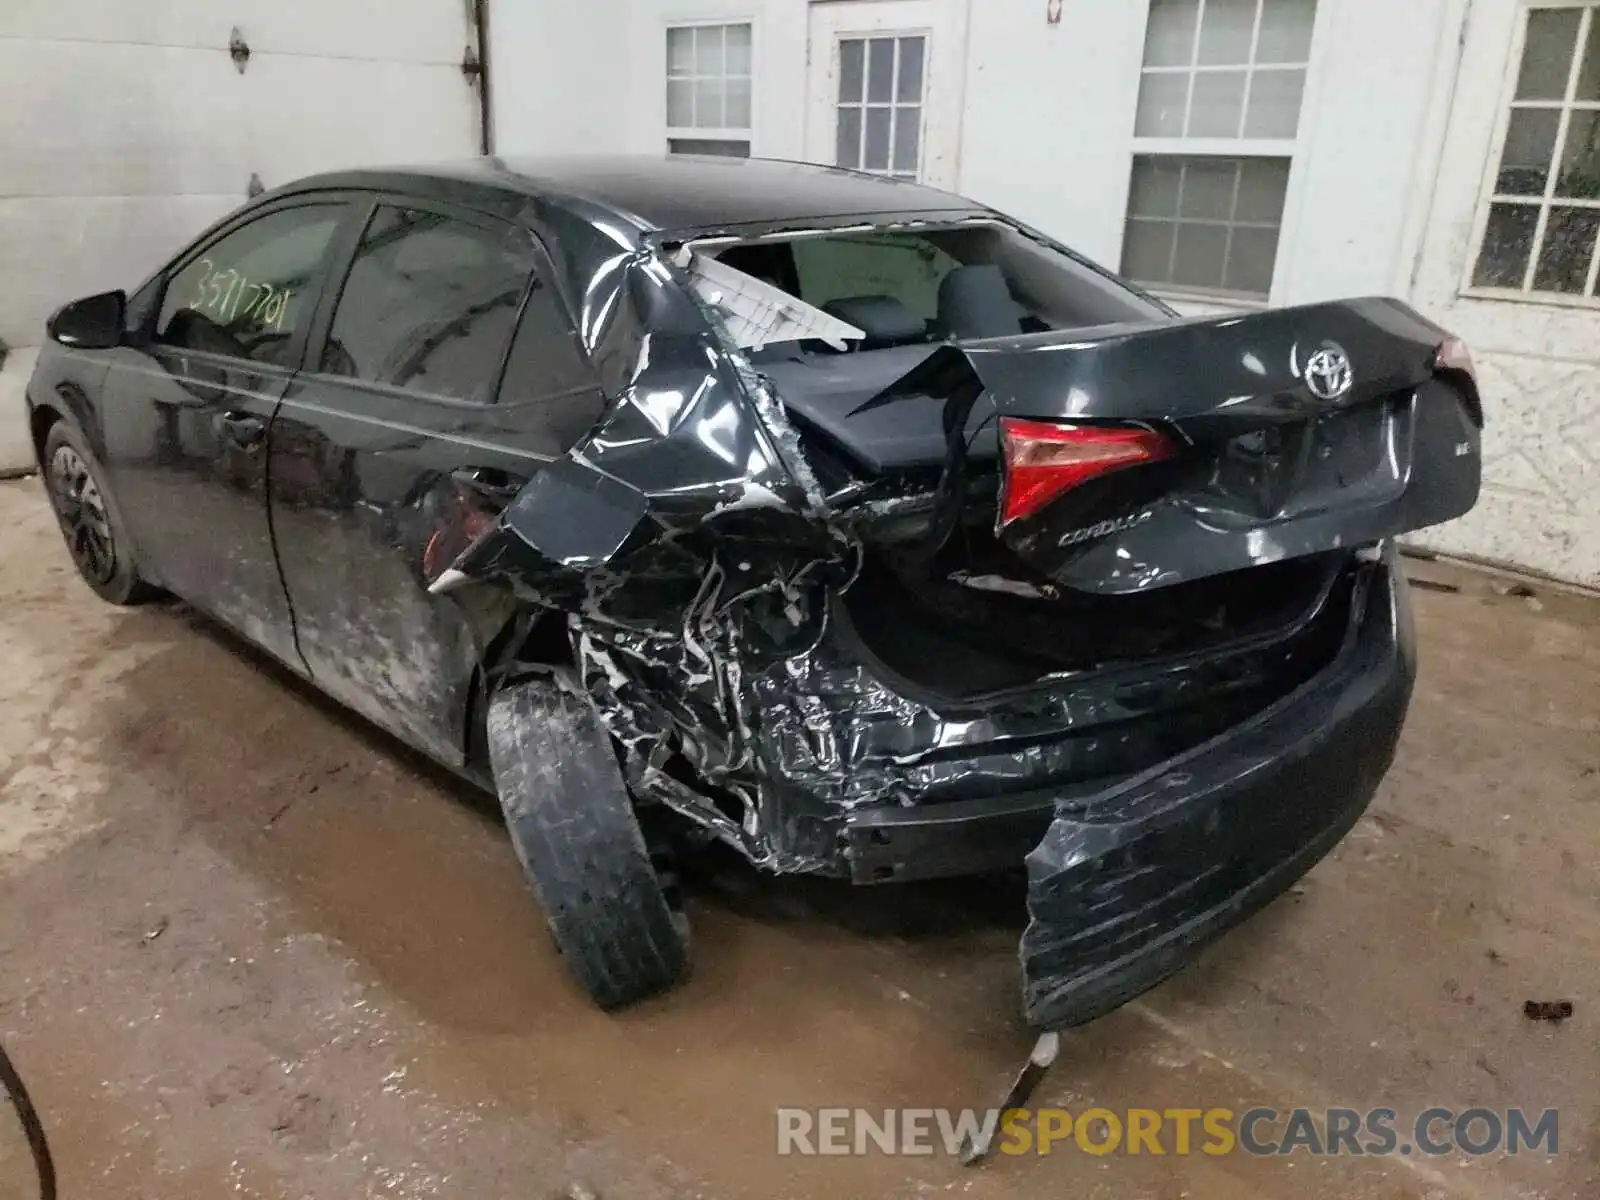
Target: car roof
<point x="664" y="192"/>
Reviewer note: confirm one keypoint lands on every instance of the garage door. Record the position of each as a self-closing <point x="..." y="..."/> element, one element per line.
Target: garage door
<point x="125" y="128"/>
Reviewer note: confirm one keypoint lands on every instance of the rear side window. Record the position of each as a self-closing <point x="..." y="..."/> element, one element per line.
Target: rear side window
<point x="429" y="304"/>
<point x="546" y="360"/>
<point x="249" y="292"/>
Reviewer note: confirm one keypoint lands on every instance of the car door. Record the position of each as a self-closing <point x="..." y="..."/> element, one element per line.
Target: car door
<point x="186" y="409"/>
<point x="398" y="442"/>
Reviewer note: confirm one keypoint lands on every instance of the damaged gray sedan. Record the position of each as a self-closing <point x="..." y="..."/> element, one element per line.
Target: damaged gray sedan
<point x="840" y="520"/>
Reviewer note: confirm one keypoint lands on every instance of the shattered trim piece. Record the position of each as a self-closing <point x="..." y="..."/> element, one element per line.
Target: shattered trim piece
<point x="756" y="313"/>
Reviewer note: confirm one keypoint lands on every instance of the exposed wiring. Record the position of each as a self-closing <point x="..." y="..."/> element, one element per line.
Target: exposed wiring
<point x="11" y="1083"/>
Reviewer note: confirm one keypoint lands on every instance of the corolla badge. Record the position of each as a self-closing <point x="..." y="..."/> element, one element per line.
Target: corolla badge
<point x="1328" y="372"/>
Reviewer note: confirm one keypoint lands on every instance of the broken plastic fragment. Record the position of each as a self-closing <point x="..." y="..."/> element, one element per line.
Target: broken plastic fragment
<point x="756" y="313"/>
<point x="449" y="580"/>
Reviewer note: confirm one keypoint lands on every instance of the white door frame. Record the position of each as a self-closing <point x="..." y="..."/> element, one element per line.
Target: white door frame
<point x="943" y="23"/>
<point x="1538" y="361"/>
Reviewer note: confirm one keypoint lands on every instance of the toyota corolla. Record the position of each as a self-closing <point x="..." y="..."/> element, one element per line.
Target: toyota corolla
<point x="844" y="521"/>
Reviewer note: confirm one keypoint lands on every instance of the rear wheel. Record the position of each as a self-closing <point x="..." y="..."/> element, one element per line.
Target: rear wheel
<point x="99" y="547"/>
<point x="574" y="828"/>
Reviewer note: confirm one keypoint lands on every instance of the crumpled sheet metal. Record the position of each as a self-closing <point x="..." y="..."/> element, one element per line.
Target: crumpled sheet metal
<point x="697" y="562"/>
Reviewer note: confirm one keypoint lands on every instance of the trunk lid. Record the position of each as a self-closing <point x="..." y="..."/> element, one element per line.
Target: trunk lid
<point x="1291" y="432"/>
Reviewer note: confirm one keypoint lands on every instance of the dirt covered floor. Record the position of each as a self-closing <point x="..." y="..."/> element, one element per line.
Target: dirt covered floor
<point x="249" y="947"/>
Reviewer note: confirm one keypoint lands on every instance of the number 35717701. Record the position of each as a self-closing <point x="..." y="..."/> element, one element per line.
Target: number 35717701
<point x="227" y="295"/>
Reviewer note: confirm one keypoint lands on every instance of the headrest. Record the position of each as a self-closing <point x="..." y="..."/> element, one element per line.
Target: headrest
<point x="974" y="302"/>
<point x="885" y="320"/>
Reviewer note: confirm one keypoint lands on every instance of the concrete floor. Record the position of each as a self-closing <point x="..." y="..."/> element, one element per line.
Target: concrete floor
<point x="248" y="946"/>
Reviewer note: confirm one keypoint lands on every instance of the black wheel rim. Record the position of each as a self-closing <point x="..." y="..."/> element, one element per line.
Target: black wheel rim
<point x="82" y="512"/>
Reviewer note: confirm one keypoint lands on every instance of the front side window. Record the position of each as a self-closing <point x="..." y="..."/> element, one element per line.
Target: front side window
<point x="1543" y="207"/>
<point x="1220" y="96"/>
<point x="429" y="304"/>
<point x="249" y="292"/>
<point x="708" y="90"/>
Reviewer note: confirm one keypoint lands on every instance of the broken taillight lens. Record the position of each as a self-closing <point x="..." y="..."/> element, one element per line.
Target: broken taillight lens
<point x="1043" y="459"/>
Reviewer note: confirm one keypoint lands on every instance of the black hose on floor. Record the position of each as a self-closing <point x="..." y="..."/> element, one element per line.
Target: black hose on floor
<point x="11" y="1083"/>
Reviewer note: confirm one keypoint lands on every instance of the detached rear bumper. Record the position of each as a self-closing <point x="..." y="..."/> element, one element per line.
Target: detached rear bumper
<point x="1128" y="885"/>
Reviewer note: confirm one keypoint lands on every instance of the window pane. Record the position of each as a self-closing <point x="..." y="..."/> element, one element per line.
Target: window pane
<point x="907" y="139"/>
<point x="1262" y="184"/>
<point x="1147" y="250"/>
<point x="1507" y="242"/>
<point x="847" y="152"/>
<point x="1225" y="32"/>
<point x="1564" y="253"/>
<point x="708" y="104"/>
<point x="1286" y="31"/>
<point x="852" y="77"/>
<point x="1580" y="159"/>
<point x="1530" y="144"/>
<point x="1169" y="37"/>
<point x="1218" y="104"/>
<point x="708" y="50"/>
<point x="680" y="103"/>
<point x="717" y="147"/>
<point x="738" y="49"/>
<point x="876" y="155"/>
<point x="1208" y="188"/>
<point x="429" y="304"/>
<point x="680" y="51"/>
<point x="1161" y="101"/>
<point x="1274" y="104"/>
<point x="245" y="296"/>
<point x="880" y="70"/>
<point x="1589" y="73"/>
<point x="1154" y="190"/>
<point x="911" y="53"/>
<point x="1251" y="256"/>
<point x="1199" y="260"/>
<point x="738" y="116"/>
<point x="1547" y="53"/>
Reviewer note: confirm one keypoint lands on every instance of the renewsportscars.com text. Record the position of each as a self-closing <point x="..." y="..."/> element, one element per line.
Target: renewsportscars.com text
<point x="1432" y="1132"/>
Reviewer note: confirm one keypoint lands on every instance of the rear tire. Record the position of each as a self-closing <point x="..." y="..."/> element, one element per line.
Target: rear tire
<point x="94" y="533"/>
<point x="573" y="826"/>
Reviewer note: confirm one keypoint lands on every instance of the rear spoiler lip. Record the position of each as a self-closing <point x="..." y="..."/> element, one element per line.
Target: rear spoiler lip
<point x="1244" y="364"/>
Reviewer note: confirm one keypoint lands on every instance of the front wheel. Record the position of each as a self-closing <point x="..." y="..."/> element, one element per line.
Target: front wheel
<point x="575" y="831"/>
<point x="99" y="546"/>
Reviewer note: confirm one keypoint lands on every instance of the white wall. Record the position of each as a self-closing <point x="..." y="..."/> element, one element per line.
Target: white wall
<point x="575" y="78"/>
<point x="125" y="129"/>
<point x="1049" y="116"/>
<point x="555" y="87"/>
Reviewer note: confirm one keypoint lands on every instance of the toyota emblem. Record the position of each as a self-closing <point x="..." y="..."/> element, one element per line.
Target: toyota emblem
<point x="1328" y="372"/>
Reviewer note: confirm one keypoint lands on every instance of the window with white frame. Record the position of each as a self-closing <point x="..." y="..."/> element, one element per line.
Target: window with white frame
<point x="708" y="89"/>
<point x="1218" y="114"/>
<point x="878" y="113"/>
<point x="1541" y="220"/>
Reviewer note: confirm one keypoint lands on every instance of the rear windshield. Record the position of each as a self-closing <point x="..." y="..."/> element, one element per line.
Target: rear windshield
<point x="901" y="287"/>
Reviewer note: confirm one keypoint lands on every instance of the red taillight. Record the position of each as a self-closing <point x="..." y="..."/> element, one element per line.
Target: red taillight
<point x="1043" y="459"/>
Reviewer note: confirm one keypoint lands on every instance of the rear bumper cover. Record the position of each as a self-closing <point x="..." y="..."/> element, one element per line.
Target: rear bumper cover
<point x="1128" y="885"/>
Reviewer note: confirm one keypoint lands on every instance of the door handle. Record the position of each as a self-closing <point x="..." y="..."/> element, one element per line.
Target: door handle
<point x="243" y="430"/>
